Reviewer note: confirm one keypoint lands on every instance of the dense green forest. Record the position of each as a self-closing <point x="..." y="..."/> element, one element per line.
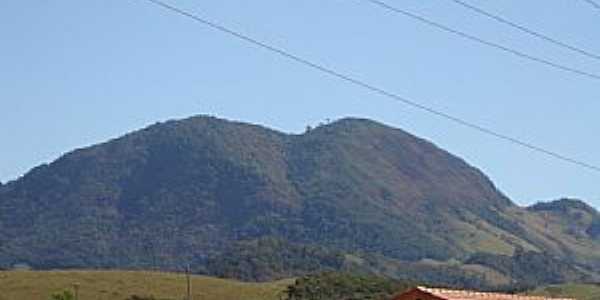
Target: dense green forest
<point x="350" y="195"/>
<point x="344" y="286"/>
<point x="270" y="258"/>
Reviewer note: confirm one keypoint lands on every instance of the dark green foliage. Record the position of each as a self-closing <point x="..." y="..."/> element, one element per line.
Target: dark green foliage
<point x="444" y="276"/>
<point x="65" y="295"/>
<point x="583" y="220"/>
<point x="440" y="275"/>
<point x="594" y="229"/>
<point x="342" y="286"/>
<point x="271" y="258"/>
<point x="205" y="191"/>
<point x="183" y="191"/>
<point x="562" y="206"/>
<point x="531" y="269"/>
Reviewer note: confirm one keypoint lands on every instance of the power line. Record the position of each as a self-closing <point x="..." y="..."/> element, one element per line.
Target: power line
<point x="593" y="3"/>
<point x="373" y="88"/>
<point x="483" y="41"/>
<point x="527" y="30"/>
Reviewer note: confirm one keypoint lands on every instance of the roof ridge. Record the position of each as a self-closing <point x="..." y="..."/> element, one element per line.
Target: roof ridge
<point x="441" y="291"/>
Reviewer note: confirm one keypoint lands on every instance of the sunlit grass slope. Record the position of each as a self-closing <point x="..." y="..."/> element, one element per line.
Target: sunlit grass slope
<point x="577" y="291"/>
<point x="117" y="285"/>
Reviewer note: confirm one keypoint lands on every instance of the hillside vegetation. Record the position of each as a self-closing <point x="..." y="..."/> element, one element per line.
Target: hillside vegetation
<point x="343" y="286"/>
<point x="350" y="195"/>
<point x="576" y="291"/>
<point x="119" y="285"/>
<point x="267" y="258"/>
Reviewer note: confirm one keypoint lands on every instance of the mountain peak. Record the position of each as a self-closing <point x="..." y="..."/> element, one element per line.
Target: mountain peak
<point x="348" y="123"/>
<point x="183" y="190"/>
<point x="563" y="205"/>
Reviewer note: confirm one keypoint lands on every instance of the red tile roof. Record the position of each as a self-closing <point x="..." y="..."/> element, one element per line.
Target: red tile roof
<point x="446" y="294"/>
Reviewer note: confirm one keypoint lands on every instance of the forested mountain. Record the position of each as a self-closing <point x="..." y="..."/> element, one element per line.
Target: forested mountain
<point x="188" y="191"/>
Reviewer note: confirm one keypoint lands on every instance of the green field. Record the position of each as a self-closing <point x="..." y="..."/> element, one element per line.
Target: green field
<point x="118" y="285"/>
<point x="577" y="291"/>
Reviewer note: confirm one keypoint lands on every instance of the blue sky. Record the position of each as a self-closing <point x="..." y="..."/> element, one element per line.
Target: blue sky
<point x="75" y="73"/>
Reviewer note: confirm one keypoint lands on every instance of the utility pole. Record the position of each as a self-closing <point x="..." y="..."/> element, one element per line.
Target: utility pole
<point x="189" y="282"/>
<point x="76" y="288"/>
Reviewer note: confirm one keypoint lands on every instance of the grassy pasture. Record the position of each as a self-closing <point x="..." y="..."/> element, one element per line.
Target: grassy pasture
<point x="118" y="285"/>
<point x="577" y="291"/>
